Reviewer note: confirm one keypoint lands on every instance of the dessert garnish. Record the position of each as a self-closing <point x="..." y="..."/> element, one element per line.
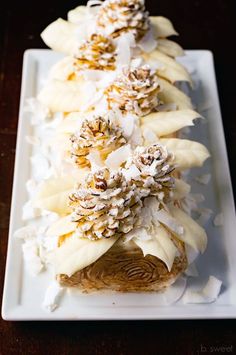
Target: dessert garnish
<point x="96" y="53"/>
<point x="154" y="164"/>
<point x="123" y="225"/>
<point x="98" y="134"/>
<point x="109" y="203"/>
<point x="135" y="90"/>
<point x="115" y="17"/>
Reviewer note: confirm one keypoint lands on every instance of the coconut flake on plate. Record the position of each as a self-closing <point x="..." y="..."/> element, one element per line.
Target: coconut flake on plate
<point x="218" y="220"/>
<point x="33" y="140"/>
<point x="203" y="179"/>
<point x="117" y="157"/>
<point x="26" y="232"/>
<point x="51" y="298"/>
<point x="31" y="257"/>
<point x="51" y="217"/>
<point x="38" y="112"/>
<point x="204" y="215"/>
<point x="208" y="294"/>
<point x="29" y="211"/>
<point x="174" y="292"/>
<point x="40" y="166"/>
<point x="50" y="243"/>
<point x="31" y="187"/>
<point x="31" y="248"/>
<point x="181" y="189"/>
<point x="191" y="201"/>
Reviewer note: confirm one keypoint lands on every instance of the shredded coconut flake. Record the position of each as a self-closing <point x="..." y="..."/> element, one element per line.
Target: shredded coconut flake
<point x="136" y="138"/>
<point x="204" y="215"/>
<point x="51" y="297"/>
<point x="40" y="167"/>
<point x="38" y="112"/>
<point x="139" y="233"/>
<point x="30" y="212"/>
<point x="218" y="220"/>
<point x="191" y="201"/>
<point x="32" y="140"/>
<point x="101" y="78"/>
<point x="208" y="294"/>
<point x="124" y="53"/>
<point x="127" y="123"/>
<point x="95" y="161"/>
<point x="148" y="43"/>
<point x="131" y="173"/>
<point x="27" y="232"/>
<point x="31" y="257"/>
<point x="31" y="187"/>
<point x="165" y="218"/>
<point x="191" y="253"/>
<point x="119" y="156"/>
<point x="175" y="291"/>
<point x="203" y="179"/>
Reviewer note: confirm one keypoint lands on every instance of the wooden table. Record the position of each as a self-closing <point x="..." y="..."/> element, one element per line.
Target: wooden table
<point x="203" y="25"/>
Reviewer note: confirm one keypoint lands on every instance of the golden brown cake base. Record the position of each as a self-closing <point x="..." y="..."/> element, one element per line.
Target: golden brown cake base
<point x="125" y="269"/>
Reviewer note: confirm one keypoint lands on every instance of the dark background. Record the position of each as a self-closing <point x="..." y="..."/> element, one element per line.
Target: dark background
<point x="202" y="24"/>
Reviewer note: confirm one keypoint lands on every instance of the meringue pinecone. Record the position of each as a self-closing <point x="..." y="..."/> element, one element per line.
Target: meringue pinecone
<point x="155" y="167"/>
<point x="135" y="90"/>
<point x="106" y="205"/>
<point x="119" y="16"/>
<point x="97" y="53"/>
<point x="98" y="134"/>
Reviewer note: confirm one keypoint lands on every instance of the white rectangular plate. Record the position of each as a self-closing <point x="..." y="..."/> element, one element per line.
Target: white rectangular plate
<point x="23" y="294"/>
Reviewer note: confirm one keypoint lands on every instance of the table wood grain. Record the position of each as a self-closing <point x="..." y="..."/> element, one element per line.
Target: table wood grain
<point x="202" y="25"/>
